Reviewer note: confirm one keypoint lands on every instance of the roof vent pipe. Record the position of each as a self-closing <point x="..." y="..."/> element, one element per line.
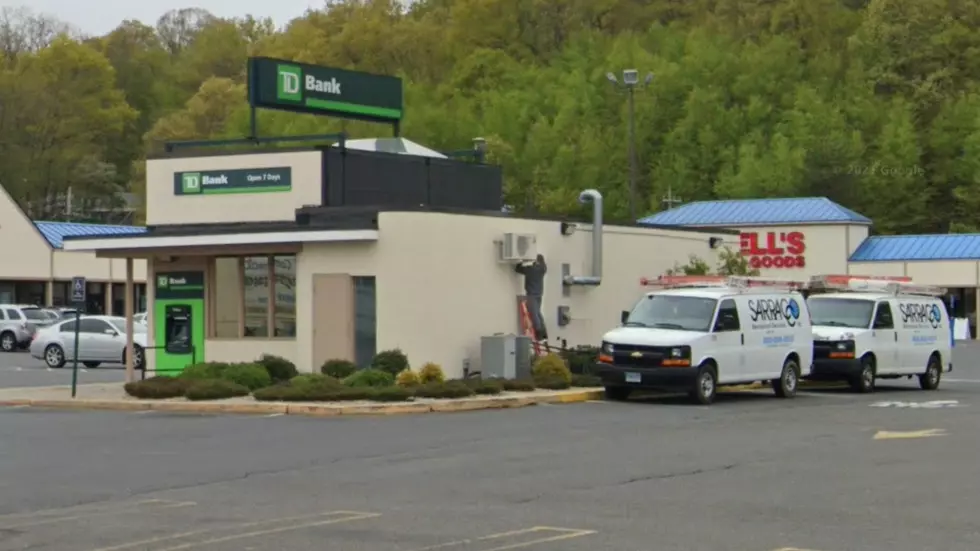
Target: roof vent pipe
<point x="596" y="278"/>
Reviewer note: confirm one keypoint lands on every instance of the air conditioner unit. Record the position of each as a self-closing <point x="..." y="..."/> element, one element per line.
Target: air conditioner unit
<point x="517" y="247"/>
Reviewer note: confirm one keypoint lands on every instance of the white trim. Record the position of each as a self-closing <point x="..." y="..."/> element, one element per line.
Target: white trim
<point x="208" y="240"/>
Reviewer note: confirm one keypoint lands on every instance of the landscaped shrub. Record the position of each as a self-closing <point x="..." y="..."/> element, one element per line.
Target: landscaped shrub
<point x="280" y="369"/>
<point x="203" y="371"/>
<point x="431" y="373"/>
<point x="581" y="359"/>
<point x="393" y="394"/>
<point x="316" y="380"/>
<point x="552" y="383"/>
<point x="338" y="369"/>
<point x="550" y="367"/>
<point x="519" y="385"/>
<point x="586" y="380"/>
<point x="370" y="378"/>
<point x="452" y="389"/>
<point x="408" y="378"/>
<point x="487" y="387"/>
<point x="350" y="394"/>
<point x="214" y="389"/>
<point x="282" y="392"/>
<point x="392" y="361"/>
<point x="157" y="388"/>
<point x="250" y="376"/>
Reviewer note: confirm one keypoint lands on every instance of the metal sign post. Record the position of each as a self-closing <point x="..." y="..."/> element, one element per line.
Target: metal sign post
<point x="78" y="297"/>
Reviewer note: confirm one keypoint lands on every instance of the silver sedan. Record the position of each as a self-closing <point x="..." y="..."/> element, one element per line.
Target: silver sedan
<point x="101" y="339"/>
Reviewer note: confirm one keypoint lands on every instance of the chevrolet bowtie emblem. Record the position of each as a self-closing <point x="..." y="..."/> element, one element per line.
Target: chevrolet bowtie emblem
<point x="636" y="355"/>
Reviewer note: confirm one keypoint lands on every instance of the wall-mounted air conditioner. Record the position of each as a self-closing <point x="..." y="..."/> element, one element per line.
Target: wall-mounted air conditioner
<point x="517" y="247"/>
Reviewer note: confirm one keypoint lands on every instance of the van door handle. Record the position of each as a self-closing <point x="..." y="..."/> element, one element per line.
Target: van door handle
<point x="743" y="339"/>
<point x="896" y="336"/>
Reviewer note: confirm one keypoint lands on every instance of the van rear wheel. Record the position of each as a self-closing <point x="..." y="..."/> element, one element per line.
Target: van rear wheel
<point x="934" y="373"/>
<point x="864" y="381"/>
<point x="785" y="386"/>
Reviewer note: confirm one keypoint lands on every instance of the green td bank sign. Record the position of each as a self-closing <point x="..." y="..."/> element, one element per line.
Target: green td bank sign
<point x="280" y="84"/>
<point x="247" y="180"/>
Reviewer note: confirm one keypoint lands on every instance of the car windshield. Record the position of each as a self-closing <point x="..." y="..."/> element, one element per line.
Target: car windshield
<point x="841" y="312"/>
<point x="120" y="325"/>
<point x="34" y="314"/>
<point x="673" y="312"/>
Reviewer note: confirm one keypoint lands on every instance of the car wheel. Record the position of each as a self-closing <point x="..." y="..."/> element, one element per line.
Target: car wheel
<point x="705" y="386"/>
<point x="8" y="342"/>
<point x="139" y="356"/>
<point x="618" y="393"/>
<point x="54" y="356"/>
<point x="789" y="379"/>
<point x="864" y="382"/>
<point x="934" y="373"/>
<point x="92" y="365"/>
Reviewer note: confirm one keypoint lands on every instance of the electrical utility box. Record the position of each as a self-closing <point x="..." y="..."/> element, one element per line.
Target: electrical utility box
<point x="505" y="357"/>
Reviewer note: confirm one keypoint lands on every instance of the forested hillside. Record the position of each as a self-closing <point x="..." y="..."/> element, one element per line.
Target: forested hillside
<point x="874" y="104"/>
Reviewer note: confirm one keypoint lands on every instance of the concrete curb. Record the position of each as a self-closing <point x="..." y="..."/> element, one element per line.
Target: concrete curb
<point x="312" y="409"/>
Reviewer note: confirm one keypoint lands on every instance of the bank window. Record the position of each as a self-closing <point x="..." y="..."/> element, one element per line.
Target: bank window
<point x="254" y="296"/>
<point x="365" y="320"/>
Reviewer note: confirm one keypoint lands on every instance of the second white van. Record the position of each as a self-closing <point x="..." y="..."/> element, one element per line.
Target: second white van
<point x="699" y="333"/>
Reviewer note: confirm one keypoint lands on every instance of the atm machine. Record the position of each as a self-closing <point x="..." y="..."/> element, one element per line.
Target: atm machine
<point x="178" y="321"/>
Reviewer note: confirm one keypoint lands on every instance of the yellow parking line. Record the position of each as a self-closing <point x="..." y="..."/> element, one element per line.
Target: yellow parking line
<point x="320" y="520"/>
<point x="123" y="509"/>
<point x="564" y="534"/>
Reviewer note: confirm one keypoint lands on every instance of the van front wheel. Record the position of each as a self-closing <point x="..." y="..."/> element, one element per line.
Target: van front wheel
<point x="705" y="386"/>
<point x="785" y="386"/>
<point x="864" y="381"/>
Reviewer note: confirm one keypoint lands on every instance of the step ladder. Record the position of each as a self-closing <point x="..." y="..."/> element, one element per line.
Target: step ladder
<point x="527" y="326"/>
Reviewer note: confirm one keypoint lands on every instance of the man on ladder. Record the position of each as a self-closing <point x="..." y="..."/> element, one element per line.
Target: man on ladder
<point x="534" y="273"/>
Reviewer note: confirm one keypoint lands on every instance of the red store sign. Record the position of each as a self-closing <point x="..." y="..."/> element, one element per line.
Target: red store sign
<point x="774" y="249"/>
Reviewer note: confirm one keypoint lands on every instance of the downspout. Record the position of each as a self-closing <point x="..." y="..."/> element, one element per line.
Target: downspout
<point x="596" y="278"/>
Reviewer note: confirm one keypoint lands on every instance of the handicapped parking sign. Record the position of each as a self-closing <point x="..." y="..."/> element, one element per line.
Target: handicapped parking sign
<point x="78" y="289"/>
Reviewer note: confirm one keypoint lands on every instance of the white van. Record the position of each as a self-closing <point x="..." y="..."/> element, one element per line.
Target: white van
<point x="868" y="328"/>
<point x="701" y="332"/>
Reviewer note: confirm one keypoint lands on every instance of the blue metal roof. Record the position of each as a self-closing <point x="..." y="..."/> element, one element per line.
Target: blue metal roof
<point x="756" y="212"/>
<point x="55" y="232"/>
<point x="899" y="248"/>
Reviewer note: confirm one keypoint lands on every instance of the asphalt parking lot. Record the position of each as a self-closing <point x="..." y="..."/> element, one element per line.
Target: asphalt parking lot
<point x="827" y="471"/>
<point x="20" y="369"/>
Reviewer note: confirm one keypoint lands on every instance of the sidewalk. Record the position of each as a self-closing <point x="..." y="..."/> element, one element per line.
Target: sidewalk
<point x="110" y="396"/>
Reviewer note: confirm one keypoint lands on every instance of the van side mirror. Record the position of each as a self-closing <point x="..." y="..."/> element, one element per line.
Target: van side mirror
<point x="623" y="316"/>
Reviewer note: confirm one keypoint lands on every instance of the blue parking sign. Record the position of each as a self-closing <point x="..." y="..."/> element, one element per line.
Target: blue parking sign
<point x="78" y="289"/>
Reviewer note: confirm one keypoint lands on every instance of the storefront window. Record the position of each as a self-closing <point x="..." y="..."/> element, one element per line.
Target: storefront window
<point x="285" y="296"/>
<point x="6" y="293"/>
<point x="60" y="293"/>
<point x="365" y="320"/>
<point x="257" y="296"/>
<point x="29" y="293"/>
<point x="95" y="298"/>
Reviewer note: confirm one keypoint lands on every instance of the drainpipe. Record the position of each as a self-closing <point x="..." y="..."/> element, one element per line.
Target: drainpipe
<point x="596" y="278"/>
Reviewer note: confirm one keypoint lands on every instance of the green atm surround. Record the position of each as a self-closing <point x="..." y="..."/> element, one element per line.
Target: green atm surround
<point x="178" y="320"/>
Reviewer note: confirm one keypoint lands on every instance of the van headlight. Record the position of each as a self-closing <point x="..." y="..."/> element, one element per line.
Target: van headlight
<point x="607" y="348"/>
<point x="680" y="352"/>
<point x="844" y="346"/>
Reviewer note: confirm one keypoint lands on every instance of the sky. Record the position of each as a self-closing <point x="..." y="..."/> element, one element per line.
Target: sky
<point x="96" y="17"/>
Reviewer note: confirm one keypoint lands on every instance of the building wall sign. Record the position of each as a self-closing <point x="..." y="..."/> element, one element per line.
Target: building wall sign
<point x="248" y="180"/>
<point x="766" y="250"/>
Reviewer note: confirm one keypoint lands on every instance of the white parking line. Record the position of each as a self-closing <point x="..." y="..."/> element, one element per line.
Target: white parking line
<point x="945" y="380"/>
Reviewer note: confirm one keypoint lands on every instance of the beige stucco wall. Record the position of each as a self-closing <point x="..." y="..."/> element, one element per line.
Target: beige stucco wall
<point x="165" y="207"/>
<point x="951" y="273"/>
<point x="440" y="287"/>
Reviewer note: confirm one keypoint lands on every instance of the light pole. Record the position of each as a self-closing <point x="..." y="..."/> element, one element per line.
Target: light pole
<point x="631" y="80"/>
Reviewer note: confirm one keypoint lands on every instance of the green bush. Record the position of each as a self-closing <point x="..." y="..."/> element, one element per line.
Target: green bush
<point x="552" y="383"/>
<point x="370" y="378"/>
<point x="586" y="380"/>
<point x="215" y="389"/>
<point x="316" y="380"/>
<point x="551" y="367"/>
<point x="280" y="369"/>
<point x="338" y="369"/>
<point x="431" y="373"/>
<point x="392" y="361"/>
<point x="282" y="392"/>
<point x="581" y="359"/>
<point x="157" y="388"/>
<point x="452" y="389"/>
<point x="350" y="394"/>
<point x="487" y="387"/>
<point x="393" y="394"/>
<point x="250" y="376"/>
<point x="203" y="371"/>
<point x="519" y="385"/>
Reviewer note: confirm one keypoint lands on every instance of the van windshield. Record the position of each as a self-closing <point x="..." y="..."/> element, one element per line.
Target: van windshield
<point x="673" y="312"/>
<point x="841" y="312"/>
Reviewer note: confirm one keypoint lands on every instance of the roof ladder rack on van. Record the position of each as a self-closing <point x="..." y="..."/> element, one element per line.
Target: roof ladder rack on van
<point x="873" y="284"/>
<point x="740" y="283"/>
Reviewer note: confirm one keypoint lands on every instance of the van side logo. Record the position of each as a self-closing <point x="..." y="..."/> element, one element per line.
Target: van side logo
<point x="784" y="311"/>
<point x="921" y="314"/>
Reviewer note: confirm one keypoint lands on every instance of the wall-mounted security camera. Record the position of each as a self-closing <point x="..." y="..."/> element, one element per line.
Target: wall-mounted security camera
<point x="631" y="76"/>
<point x="567" y="228"/>
<point x="714" y="242"/>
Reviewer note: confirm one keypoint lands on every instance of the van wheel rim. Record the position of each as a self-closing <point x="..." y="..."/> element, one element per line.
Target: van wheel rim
<point x="933" y="374"/>
<point x="791" y="379"/>
<point x="868" y="377"/>
<point x="707" y="385"/>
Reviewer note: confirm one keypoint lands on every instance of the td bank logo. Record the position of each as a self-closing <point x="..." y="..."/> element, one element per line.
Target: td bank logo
<point x="163" y="282"/>
<point x="291" y="83"/>
<point x="190" y="182"/>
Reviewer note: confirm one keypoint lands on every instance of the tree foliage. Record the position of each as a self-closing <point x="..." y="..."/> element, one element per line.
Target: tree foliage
<point x="872" y="103"/>
<point x="729" y="263"/>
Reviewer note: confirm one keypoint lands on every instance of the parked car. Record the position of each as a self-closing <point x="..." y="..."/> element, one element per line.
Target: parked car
<point x="18" y="324"/>
<point x="140" y="318"/>
<point x="101" y="339"/>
